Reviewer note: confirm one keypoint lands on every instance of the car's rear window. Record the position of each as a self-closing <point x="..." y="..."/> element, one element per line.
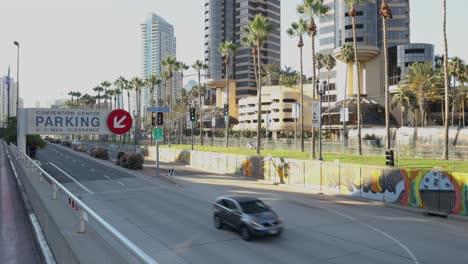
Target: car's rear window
<point x="253" y="207"/>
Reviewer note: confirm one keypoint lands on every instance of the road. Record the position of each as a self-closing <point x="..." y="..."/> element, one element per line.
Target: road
<point x="16" y="239"/>
<point x="173" y="223"/>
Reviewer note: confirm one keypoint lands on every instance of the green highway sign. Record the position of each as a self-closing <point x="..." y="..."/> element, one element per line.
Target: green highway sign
<point x="158" y="133"/>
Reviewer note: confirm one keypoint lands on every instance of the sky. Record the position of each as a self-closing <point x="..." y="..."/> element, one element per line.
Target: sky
<point x="70" y="45"/>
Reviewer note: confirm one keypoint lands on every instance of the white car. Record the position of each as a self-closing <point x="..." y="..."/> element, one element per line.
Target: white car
<point x="76" y="143"/>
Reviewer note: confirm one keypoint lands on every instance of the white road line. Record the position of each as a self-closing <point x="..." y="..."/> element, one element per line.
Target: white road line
<point x="92" y="170"/>
<point x="405" y="248"/>
<point x="73" y="179"/>
<point x="83" y="165"/>
<point x="107" y="176"/>
<point x="121" y="183"/>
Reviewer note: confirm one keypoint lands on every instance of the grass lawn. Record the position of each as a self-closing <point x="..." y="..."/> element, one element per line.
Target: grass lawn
<point x="448" y="165"/>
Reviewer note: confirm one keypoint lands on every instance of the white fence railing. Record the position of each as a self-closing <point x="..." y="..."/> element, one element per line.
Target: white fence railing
<point x="84" y="209"/>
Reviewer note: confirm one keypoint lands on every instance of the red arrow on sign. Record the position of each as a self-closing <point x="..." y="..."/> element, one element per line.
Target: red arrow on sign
<point x="119" y="121"/>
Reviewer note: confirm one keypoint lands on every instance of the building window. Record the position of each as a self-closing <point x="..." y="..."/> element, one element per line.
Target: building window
<point x="414" y="51"/>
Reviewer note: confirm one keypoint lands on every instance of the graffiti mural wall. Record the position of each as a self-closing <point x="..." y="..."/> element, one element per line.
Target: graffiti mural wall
<point x="433" y="189"/>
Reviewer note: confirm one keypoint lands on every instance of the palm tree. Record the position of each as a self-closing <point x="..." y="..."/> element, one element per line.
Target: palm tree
<point x="406" y="99"/>
<point x="299" y="29"/>
<point x="386" y="14"/>
<point x="108" y="95"/>
<point x="446" y="81"/>
<point x="347" y="56"/>
<point x="352" y="13"/>
<point x="127" y="86"/>
<point x="98" y="90"/>
<point x="119" y="83"/>
<point x="421" y="80"/>
<point x="199" y="66"/>
<point x="169" y="62"/>
<point x="228" y="49"/>
<point x="330" y="63"/>
<point x="78" y="96"/>
<point x="152" y="81"/>
<point x="72" y="94"/>
<point x="138" y="84"/>
<point x="313" y="9"/>
<point x="248" y="40"/>
<point x="105" y="85"/>
<point x="260" y="27"/>
<point x="272" y="73"/>
<point x="162" y="95"/>
<point x="457" y="73"/>
<point x="181" y="67"/>
<point x="117" y="94"/>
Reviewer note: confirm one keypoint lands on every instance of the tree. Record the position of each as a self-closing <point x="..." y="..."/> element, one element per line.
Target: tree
<point x="117" y="94"/>
<point x="98" y="90"/>
<point x="406" y="99"/>
<point x="181" y="67"/>
<point x="105" y="85"/>
<point x="272" y="74"/>
<point x="386" y="14"/>
<point x="108" y="95"/>
<point x="423" y="82"/>
<point x="299" y="29"/>
<point x="152" y="81"/>
<point x="352" y="13"/>
<point x="313" y="9"/>
<point x="78" y="96"/>
<point x="347" y="56"/>
<point x="249" y="40"/>
<point x="169" y="63"/>
<point x="138" y="84"/>
<point x="446" y="81"/>
<point x="72" y="94"/>
<point x="228" y="49"/>
<point x="260" y="27"/>
<point x="128" y="86"/>
<point x="330" y="63"/>
<point x="162" y="98"/>
<point x="199" y="66"/>
<point x="119" y="83"/>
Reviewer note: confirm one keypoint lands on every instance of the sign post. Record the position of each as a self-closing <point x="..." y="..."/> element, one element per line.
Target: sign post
<point x="157" y="135"/>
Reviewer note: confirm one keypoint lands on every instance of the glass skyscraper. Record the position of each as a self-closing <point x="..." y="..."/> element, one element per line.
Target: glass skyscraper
<point x="224" y="20"/>
<point x="158" y="42"/>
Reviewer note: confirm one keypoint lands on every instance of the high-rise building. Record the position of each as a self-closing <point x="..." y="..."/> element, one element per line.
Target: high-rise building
<point x="158" y="42"/>
<point x="335" y="29"/>
<point x="4" y="98"/>
<point x="224" y="20"/>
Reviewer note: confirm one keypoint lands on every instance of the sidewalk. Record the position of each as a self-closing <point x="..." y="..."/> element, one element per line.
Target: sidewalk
<point x="17" y="244"/>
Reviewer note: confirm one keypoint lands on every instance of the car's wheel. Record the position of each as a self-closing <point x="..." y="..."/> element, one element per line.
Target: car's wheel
<point x="218" y="222"/>
<point x="245" y="233"/>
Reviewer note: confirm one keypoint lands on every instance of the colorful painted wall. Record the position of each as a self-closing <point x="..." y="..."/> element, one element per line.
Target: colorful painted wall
<point x="430" y="189"/>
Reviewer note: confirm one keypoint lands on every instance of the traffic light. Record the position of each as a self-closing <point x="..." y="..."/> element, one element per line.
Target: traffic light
<point x="226" y="109"/>
<point x="153" y="119"/>
<point x="389" y="158"/>
<point x="160" y="119"/>
<point x="192" y="114"/>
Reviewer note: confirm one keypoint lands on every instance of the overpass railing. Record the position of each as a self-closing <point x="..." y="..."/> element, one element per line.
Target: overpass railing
<point x="85" y="211"/>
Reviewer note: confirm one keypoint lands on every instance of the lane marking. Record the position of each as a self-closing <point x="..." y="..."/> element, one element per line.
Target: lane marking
<point x="93" y="170"/>
<point x="121" y="183"/>
<point x="83" y="165"/>
<point x="73" y="179"/>
<point x="405" y="248"/>
<point x="106" y="176"/>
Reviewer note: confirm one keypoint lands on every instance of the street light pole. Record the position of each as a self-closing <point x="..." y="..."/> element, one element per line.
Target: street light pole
<point x="321" y="92"/>
<point x="16" y="43"/>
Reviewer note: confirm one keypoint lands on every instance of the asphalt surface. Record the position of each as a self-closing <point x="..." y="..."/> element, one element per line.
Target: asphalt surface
<point x="173" y="224"/>
<point x="16" y="237"/>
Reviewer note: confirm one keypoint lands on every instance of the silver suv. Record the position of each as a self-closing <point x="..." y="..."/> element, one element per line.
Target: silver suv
<point x="248" y="215"/>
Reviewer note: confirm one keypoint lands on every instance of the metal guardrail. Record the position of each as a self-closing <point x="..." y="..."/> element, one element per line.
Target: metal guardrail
<point x="84" y="209"/>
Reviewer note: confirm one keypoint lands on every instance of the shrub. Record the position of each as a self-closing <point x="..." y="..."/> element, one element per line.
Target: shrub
<point x="99" y="153"/>
<point x="133" y="161"/>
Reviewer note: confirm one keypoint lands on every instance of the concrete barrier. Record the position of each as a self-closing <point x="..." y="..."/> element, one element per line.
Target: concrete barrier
<point x="434" y="190"/>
